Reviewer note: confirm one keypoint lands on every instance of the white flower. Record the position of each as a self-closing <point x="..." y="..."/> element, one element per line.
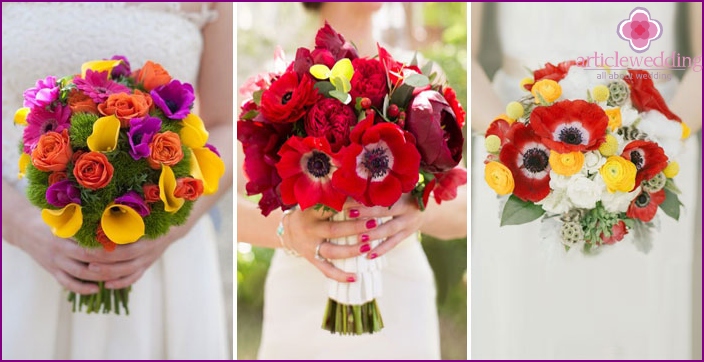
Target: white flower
<point x="556" y="202"/>
<point x="616" y="201"/>
<point x="665" y="132"/>
<point x="593" y="160"/>
<point x="628" y="115"/>
<point x="583" y="192"/>
<point x="578" y="82"/>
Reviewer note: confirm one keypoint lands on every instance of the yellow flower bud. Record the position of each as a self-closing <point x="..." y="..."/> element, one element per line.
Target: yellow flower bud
<point x="614" y="118"/>
<point x="672" y="169"/>
<point x="492" y="143"/>
<point x="525" y="81"/>
<point x="21" y="116"/>
<point x="600" y="93"/>
<point x="548" y="89"/>
<point x="609" y="147"/>
<point x="566" y="164"/>
<point x="618" y="174"/>
<point x="499" y="178"/>
<point x="686" y="131"/>
<point x="514" y="110"/>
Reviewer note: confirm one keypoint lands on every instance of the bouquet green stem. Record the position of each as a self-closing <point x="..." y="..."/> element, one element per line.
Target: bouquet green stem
<point x="104" y="301"/>
<point x="349" y="319"/>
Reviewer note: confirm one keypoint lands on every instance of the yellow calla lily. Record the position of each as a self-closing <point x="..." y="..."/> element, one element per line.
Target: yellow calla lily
<point x="65" y="222"/>
<point x="106" y="130"/>
<point x="167" y="185"/>
<point x="21" y="116"/>
<point x="98" y="66"/>
<point x="122" y="224"/>
<point x="193" y="134"/>
<point x="207" y="167"/>
<point x="25" y="160"/>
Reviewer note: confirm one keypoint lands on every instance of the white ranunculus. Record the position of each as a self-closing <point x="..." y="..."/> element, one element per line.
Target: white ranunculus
<point x="583" y="192"/>
<point x="556" y="202"/>
<point x="558" y="182"/>
<point x="593" y="160"/>
<point x="616" y="201"/>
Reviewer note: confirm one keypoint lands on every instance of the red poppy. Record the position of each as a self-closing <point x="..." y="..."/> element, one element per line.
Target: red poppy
<point x="551" y="71"/>
<point x="569" y="126"/>
<point x="287" y="100"/>
<point x="527" y="158"/>
<point x="306" y="168"/>
<point x="645" y="205"/>
<point x="379" y="165"/>
<point x="649" y="158"/>
<point x="618" y="231"/>
<point x="645" y="96"/>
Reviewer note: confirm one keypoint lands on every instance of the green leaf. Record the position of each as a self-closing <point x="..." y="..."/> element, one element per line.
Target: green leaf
<point x="671" y="205"/>
<point x="401" y="95"/>
<point x="257" y="97"/>
<point x="414" y="61"/>
<point x="670" y="185"/>
<point x="417" y="80"/>
<point x="517" y="211"/>
<point x="324" y="87"/>
<point x="250" y="115"/>
<point x="340" y="96"/>
<point x="427" y="68"/>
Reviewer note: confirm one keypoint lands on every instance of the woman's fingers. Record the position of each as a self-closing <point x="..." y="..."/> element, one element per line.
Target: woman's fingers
<point x="329" y="250"/>
<point x="341" y="229"/>
<point x="332" y="272"/>
<point x="125" y="281"/>
<point x="115" y="270"/>
<point x="389" y="244"/>
<point x="74" y="284"/>
<point x="76" y="269"/>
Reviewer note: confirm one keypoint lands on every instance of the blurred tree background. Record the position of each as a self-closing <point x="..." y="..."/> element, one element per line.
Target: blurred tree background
<point x="439" y="32"/>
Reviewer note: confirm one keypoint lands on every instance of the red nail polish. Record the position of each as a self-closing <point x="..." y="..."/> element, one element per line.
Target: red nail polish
<point x="373" y="256"/>
<point x="351" y="279"/>
<point x="354" y="213"/>
<point x="365" y="248"/>
<point x="365" y="238"/>
<point x="371" y="224"/>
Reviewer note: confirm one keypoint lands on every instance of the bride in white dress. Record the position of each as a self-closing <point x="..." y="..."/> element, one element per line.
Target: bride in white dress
<point x="176" y="304"/>
<point x="533" y="300"/>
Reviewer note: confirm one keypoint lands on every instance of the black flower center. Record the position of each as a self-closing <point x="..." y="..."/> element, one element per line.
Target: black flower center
<point x="48" y="126"/>
<point x="376" y="161"/>
<point x="173" y="106"/>
<point x="286" y="97"/>
<point x="535" y="160"/>
<point x="643" y="199"/>
<point x="571" y="135"/>
<point x="318" y="164"/>
<point x="637" y="159"/>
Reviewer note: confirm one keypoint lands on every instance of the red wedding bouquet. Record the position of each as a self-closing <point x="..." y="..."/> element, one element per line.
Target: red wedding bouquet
<point x="113" y="156"/>
<point x="333" y="125"/>
<point x="592" y="153"/>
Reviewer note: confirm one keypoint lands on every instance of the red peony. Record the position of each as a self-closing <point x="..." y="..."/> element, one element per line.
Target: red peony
<point x="527" y="158"/>
<point x="645" y="96"/>
<point x="551" y="71"/>
<point x="645" y="205"/>
<point x="306" y="168"/>
<point x="379" y="165"/>
<point x="287" y="100"/>
<point x="618" y="231"/>
<point x="568" y="126"/>
<point x="451" y="98"/>
<point x="369" y="80"/>
<point x="327" y="39"/>
<point x="331" y="119"/>
<point x="649" y="158"/>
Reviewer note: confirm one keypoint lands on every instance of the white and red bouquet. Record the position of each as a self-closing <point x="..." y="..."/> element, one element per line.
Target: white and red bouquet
<point x="114" y="156"/>
<point x="332" y="125"/>
<point x="590" y="151"/>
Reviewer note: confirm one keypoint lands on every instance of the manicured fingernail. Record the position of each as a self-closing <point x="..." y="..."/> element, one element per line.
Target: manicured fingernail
<point x="371" y="224"/>
<point x="351" y="279"/>
<point x="354" y="213"/>
<point x="365" y="238"/>
<point x="373" y="256"/>
<point x="365" y="248"/>
<point x="93" y="267"/>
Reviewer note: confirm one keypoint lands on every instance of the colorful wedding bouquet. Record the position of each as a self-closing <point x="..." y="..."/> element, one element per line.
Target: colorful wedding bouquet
<point x="332" y="125"/>
<point x="592" y="153"/>
<point x="113" y="156"/>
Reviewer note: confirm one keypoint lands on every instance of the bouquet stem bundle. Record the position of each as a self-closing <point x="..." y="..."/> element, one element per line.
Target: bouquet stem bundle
<point x="101" y="302"/>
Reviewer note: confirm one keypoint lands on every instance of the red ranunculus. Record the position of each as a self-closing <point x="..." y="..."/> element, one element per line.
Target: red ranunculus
<point x="645" y="96"/>
<point x="568" y="126"/>
<point x="438" y="134"/>
<point x="645" y="205"/>
<point x="552" y="72"/>
<point x="306" y="169"/>
<point x="331" y="119"/>
<point x="379" y="165"/>
<point x="447" y="183"/>
<point x="451" y="97"/>
<point x="499" y="128"/>
<point x="649" y="158"/>
<point x="369" y="80"/>
<point x="527" y="158"/>
<point x="287" y="100"/>
<point x="618" y="231"/>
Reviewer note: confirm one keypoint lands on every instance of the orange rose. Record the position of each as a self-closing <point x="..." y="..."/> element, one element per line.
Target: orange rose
<point x="81" y="102"/>
<point x="152" y="75"/>
<point x="188" y="188"/>
<point x="151" y="193"/>
<point x="103" y="239"/>
<point x="93" y="170"/>
<point x="53" y="152"/>
<point x="165" y="149"/>
<point x="127" y="106"/>
<point x="57" y="176"/>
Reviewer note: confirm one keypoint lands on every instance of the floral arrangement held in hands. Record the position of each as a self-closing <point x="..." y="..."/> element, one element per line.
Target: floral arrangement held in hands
<point x="591" y="153"/>
<point x="114" y="156"/>
<point x="332" y="125"/>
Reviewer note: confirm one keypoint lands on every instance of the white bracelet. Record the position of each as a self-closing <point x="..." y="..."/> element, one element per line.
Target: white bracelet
<point x="280" y="234"/>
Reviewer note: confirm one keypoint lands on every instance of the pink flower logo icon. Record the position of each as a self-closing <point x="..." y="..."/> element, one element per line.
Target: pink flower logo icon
<point x="639" y="29"/>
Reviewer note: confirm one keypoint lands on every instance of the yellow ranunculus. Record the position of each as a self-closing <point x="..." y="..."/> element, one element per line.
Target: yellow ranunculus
<point x="122" y="224"/>
<point x="499" y="178"/>
<point x="25" y="160"/>
<point x="167" y="185"/>
<point x="566" y="164"/>
<point x="21" y="116"/>
<point x="619" y="174"/>
<point x="609" y="147"/>
<point x="672" y="169"/>
<point x="514" y="110"/>
<point x="686" y="131"/>
<point x="207" y="167"/>
<point x="548" y="89"/>
<point x="600" y="93"/>
<point x="193" y="134"/>
<point x="106" y="131"/>
<point x="98" y="66"/>
<point x="614" y="118"/>
<point x="65" y="222"/>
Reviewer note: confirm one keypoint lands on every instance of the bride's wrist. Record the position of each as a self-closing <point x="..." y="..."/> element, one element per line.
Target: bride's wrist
<point x="280" y="232"/>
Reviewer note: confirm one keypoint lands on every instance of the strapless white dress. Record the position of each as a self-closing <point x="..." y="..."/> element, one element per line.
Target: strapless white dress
<point x="177" y="307"/>
<point x="531" y="299"/>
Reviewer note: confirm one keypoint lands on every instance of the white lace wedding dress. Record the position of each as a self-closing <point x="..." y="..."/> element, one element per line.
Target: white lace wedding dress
<point x="531" y="299"/>
<point x="176" y="308"/>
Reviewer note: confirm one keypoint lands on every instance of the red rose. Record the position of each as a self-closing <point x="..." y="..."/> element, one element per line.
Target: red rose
<point x="645" y="96"/>
<point x="288" y="99"/>
<point x="331" y="119"/>
<point x="188" y="188"/>
<point x="103" y="239"/>
<point x="645" y="205"/>
<point x="57" y="176"/>
<point x="151" y="193"/>
<point x="53" y="151"/>
<point x="618" y="231"/>
<point x="93" y="170"/>
<point x="552" y="72"/>
<point x="438" y="135"/>
<point x="369" y="80"/>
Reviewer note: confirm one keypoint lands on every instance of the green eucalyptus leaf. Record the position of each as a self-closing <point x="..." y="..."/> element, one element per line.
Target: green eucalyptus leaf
<point x="517" y="211"/>
<point x="671" y="205"/>
<point x="416" y="80"/>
